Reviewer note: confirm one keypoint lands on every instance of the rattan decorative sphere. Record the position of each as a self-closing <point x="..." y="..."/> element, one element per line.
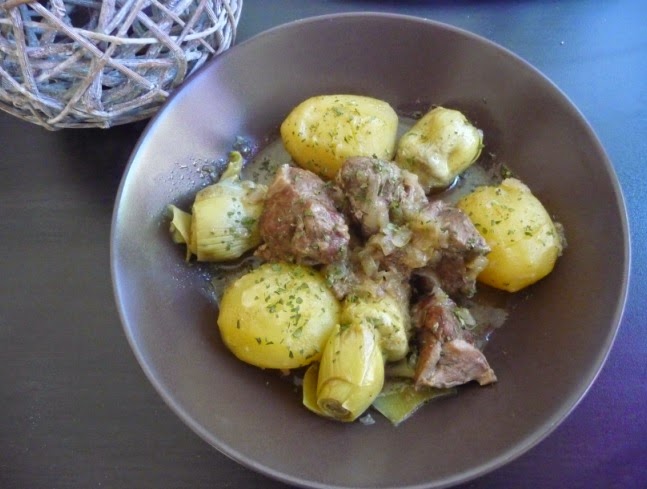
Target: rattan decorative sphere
<point x="101" y="63"/>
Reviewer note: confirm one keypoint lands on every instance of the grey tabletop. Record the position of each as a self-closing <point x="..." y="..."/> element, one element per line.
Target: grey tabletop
<point x="76" y="410"/>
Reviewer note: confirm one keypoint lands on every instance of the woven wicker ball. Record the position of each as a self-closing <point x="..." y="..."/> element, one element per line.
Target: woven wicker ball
<point x="100" y="63"/>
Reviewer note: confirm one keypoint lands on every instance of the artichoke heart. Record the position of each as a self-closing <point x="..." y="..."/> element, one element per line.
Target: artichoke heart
<point x="224" y="217"/>
<point x="351" y="372"/>
<point x="439" y="147"/>
<point x="387" y="315"/>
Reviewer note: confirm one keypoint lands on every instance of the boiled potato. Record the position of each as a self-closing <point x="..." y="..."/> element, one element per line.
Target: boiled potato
<point x="439" y="147"/>
<point x="323" y="131"/>
<point x="524" y="240"/>
<point x="279" y="315"/>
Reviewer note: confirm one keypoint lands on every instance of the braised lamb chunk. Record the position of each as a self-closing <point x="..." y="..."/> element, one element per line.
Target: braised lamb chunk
<point x="405" y="232"/>
<point x="391" y="249"/>
<point x="455" y="273"/>
<point x="459" y="362"/>
<point x="436" y="313"/>
<point x="461" y="250"/>
<point x="300" y="222"/>
<point x="438" y="243"/>
<point x="347" y="276"/>
<point x="457" y="233"/>
<point x="378" y="192"/>
<point x="447" y="356"/>
<point x="343" y="276"/>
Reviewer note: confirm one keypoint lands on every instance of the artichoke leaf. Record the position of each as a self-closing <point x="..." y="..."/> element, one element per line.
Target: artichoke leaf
<point x="399" y="399"/>
<point x="180" y="228"/>
<point x="310" y="389"/>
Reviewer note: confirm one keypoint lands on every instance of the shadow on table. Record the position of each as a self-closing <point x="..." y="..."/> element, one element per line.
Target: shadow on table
<point x="96" y="158"/>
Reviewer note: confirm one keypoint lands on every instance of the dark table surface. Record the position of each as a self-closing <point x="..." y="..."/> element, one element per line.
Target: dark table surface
<point x="76" y="411"/>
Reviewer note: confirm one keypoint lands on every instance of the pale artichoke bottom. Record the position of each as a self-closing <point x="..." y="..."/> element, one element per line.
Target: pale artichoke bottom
<point x="349" y="376"/>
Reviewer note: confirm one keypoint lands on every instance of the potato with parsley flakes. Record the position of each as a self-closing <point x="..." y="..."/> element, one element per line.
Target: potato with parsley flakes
<point x="440" y="146"/>
<point x="323" y="131"/>
<point x="525" y="241"/>
<point x="279" y="316"/>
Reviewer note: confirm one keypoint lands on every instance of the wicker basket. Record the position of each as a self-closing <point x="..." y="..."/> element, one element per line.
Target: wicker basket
<point x="100" y="63"/>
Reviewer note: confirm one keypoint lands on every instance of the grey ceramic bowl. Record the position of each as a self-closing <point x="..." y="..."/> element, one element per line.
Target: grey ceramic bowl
<point x="546" y="356"/>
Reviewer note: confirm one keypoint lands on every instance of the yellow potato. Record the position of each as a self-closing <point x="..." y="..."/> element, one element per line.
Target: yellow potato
<point x="278" y="316"/>
<point x="524" y="240"/>
<point x="439" y="147"/>
<point x="323" y="131"/>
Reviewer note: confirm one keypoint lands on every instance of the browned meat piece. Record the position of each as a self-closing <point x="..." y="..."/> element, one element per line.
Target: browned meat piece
<point x="455" y="273"/>
<point x="348" y="277"/>
<point x="405" y="232"/>
<point x="435" y="313"/>
<point x="458" y="234"/>
<point x="300" y="222"/>
<point x="459" y="362"/>
<point x="438" y="243"/>
<point x="379" y="192"/>
<point x="436" y="324"/>
<point x="461" y="250"/>
<point x="342" y="276"/>
<point x="393" y="249"/>
<point x="446" y="354"/>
